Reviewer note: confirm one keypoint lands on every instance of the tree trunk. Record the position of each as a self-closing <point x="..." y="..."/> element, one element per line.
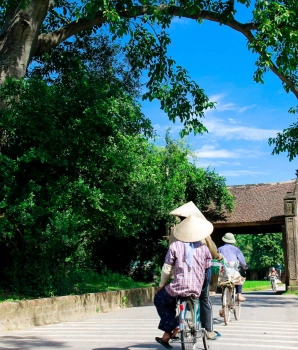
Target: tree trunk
<point x="19" y="37"/>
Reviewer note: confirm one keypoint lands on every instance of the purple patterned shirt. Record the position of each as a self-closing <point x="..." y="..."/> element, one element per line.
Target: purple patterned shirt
<point x="187" y="281"/>
<point x="232" y="254"/>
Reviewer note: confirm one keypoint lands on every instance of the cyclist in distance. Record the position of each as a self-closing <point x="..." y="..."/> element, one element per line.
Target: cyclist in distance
<point x="191" y="261"/>
<point x="273" y="272"/>
<point x="232" y="255"/>
<point x="273" y="278"/>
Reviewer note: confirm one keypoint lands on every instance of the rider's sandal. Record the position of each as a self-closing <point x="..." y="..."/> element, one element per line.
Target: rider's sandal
<point x="163" y="343"/>
<point x="215" y="336"/>
<point x="176" y="338"/>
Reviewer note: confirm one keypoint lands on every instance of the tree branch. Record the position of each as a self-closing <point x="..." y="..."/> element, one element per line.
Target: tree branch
<point x="48" y="41"/>
<point x="51" y="40"/>
<point x="274" y="68"/>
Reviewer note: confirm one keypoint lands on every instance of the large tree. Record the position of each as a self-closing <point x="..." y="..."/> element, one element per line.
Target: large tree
<point x="79" y="176"/>
<point x="31" y="29"/>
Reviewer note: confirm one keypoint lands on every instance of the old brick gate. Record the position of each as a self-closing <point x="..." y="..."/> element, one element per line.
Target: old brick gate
<point x="264" y="208"/>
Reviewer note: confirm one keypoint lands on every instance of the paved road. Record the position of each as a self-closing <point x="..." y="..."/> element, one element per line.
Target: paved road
<point x="269" y="321"/>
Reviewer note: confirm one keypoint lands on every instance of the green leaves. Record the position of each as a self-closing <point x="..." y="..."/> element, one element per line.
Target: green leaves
<point x="261" y="250"/>
<point x="180" y="97"/>
<point x="286" y="141"/>
<point x="78" y="172"/>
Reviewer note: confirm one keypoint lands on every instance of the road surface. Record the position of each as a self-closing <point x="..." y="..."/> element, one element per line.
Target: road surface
<point x="268" y="321"/>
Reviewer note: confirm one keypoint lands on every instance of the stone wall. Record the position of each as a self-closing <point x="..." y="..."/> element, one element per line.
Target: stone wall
<point x="38" y="312"/>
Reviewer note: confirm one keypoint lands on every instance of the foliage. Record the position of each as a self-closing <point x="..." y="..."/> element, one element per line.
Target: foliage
<point x="261" y="250"/>
<point x="84" y="281"/>
<point x="82" y="186"/>
<point x="286" y="141"/>
<point x="270" y="31"/>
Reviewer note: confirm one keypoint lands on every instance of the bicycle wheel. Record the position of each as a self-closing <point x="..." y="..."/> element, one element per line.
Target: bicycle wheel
<point x="226" y="302"/>
<point x="206" y="342"/>
<point x="237" y="305"/>
<point x="188" y="334"/>
<point x="274" y="286"/>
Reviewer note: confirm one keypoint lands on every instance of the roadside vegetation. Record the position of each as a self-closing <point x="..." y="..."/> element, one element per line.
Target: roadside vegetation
<point x="87" y="282"/>
<point x="84" y="187"/>
<point x="250" y="286"/>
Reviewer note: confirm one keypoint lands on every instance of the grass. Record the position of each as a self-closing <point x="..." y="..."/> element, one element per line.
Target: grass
<point x="6" y="296"/>
<point x="94" y="283"/>
<point x="250" y="286"/>
<point x="88" y="282"/>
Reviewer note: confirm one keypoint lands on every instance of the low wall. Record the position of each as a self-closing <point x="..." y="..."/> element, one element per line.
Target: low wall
<point x="38" y="312"/>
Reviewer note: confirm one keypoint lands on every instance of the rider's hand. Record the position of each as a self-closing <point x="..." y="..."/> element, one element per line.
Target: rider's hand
<point x="220" y="257"/>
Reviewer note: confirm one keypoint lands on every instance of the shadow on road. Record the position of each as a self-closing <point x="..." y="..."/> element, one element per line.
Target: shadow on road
<point x="262" y="299"/>
<point x="21" y="343"/>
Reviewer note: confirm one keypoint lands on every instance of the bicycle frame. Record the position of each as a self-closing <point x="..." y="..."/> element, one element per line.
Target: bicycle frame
<point x="182" y="308"/>
<point x="191" y="328"/>
<point x="273" y="282"/>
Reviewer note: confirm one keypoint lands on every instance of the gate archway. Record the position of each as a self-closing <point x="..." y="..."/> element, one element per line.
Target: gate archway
<point x="264" y="208"/>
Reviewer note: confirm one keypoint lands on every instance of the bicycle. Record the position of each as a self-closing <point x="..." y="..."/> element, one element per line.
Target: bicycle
<point x="229" y="277"/>
<point x="273" y="283"/>
<point x="190" y="325"/>
<point x="230" y="302"/>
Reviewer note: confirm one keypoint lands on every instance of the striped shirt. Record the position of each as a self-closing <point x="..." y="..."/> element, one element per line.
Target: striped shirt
<point x="187" y="281"/>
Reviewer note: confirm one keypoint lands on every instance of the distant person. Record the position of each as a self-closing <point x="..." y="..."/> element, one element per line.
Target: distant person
<point x="232" y="255"/>
<point x="273" y="278"/>
<point x="273" y="272"/>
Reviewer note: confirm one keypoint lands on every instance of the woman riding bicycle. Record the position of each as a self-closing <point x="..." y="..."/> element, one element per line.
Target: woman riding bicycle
<point x="206" y="309"/>
<point x="233" y="255"/>
<point x="192" y="263"/>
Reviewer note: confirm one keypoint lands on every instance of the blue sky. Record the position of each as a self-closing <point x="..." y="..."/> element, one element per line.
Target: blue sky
<point x="247" y="113"/>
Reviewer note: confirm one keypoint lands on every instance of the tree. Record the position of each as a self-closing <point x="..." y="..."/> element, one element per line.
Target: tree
<point x="31" y="29"/>
<point x="262" y="250"/>
<point x="78" y="172"/>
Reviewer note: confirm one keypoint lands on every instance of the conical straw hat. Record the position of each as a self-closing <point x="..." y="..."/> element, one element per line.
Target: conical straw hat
<point x="193" y="229"/>
<point x="186" y="210"/>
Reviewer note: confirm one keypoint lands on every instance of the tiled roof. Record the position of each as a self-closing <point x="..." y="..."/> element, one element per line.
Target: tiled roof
<point x="258" y="202"/>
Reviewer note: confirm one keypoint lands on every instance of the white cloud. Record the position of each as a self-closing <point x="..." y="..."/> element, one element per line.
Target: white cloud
<point x="237" y="173"/>
<point x="215" y="163"/>
<point x="209" y="151"/>
<point x="228" y="106"/>
<point x="220" y="128"/>
<point x="174" y="128"/>
<point x="233" y="107"/>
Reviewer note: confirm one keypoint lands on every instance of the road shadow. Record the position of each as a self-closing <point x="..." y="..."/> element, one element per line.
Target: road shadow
<point x="265" y="299"/>
<point x="199" y="346"/>
<point x="22" y="343"/>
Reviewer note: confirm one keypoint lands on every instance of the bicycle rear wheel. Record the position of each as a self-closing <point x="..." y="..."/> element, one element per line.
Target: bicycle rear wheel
<point x="226" y="302"/>
<point x="188" y="334"/>
<point x="237" y="305"/>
